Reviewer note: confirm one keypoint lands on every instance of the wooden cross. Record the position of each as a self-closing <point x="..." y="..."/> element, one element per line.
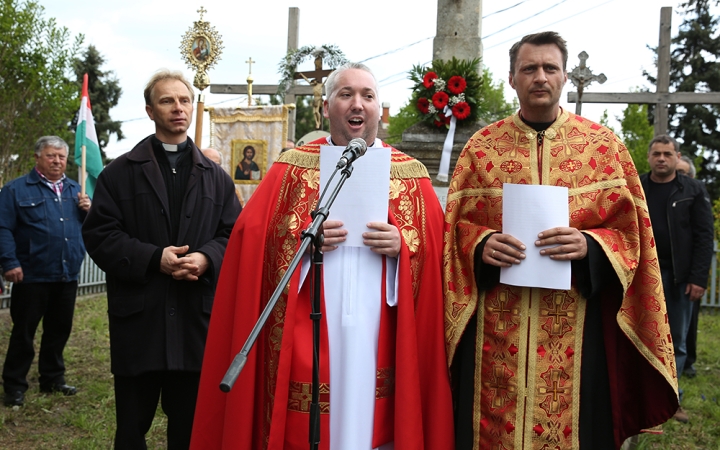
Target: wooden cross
<point x="271" y="89"/>
<point x="582" y="76"/>
<point x="317" y="84"/>
<point x="661" y="97"/>
<point x="249" y="81"/>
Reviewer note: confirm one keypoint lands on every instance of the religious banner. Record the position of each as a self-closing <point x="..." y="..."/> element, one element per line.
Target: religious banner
<point x="250" y="139"/>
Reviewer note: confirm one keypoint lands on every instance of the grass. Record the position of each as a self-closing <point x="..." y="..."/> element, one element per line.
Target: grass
<point x="700" y="399"/>
<point x="87" y="420"/>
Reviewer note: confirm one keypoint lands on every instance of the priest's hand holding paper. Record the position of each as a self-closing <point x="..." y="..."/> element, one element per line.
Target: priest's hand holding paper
<point x="384" y="241"/>
<point x="503" y="250"/>
<point x="565" y="243"/>
<point x="334" y="235"/>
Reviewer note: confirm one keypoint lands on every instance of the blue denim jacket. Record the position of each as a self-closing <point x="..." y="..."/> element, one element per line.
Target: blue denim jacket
<point x="39" y="231"/>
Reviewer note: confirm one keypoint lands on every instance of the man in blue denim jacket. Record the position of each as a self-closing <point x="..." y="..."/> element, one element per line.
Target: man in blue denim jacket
<point x="41" y="249"/>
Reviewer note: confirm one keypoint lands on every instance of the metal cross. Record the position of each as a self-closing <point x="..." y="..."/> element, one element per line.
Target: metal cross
<point x="202" y="11"/>
<point x="582" y="76"/>
<point x="250" y="62"/>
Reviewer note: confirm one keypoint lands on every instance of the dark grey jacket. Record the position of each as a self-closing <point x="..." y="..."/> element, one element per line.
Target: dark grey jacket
<point x="690" y="221"/>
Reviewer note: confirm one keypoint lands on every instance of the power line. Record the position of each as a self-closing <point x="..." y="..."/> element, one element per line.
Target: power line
<point x="506" y="9"/>
<point x="510" y="26"/>
<point x="430" y="37"/>
<point x="545" y="26"/>
<point x="397" y="49"/>
<point x="523" y="20"/>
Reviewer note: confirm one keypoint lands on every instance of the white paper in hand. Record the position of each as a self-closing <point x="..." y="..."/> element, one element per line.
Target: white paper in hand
<point x="528" y="210"/>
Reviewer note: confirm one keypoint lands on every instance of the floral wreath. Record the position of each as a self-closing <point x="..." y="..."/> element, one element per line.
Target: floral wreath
<point x="330" y="54"/>
<point x="446" y="89"/>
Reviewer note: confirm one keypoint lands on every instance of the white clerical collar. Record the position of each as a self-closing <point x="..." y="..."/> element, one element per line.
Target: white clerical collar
<point x="170" y="147"/>
<point x="377" y="143"/>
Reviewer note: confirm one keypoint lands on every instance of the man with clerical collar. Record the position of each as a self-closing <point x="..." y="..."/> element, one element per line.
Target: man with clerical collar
<point x="41" y="250"/>
<point x="164" y="214"/>
<point x="536" y="367"/>
<point x="383" y="376"/>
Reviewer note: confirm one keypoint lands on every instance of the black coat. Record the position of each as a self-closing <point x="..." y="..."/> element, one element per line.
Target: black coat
<point x="156" y="322"/>
<point x="690" y="220"/>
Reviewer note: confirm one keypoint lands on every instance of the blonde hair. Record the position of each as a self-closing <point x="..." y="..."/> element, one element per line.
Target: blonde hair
<point x="162" y="75"/>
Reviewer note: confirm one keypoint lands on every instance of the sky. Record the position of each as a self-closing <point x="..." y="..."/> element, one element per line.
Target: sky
<point x="138" y="37"/>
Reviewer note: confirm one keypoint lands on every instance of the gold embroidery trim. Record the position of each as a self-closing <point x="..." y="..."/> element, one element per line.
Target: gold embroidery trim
<point x="300" y="397"/>
<point x="385" y="386"/>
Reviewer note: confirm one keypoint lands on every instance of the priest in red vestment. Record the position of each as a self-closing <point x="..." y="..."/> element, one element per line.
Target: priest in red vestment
<point x="537" y="368"/>
<point x="383" y="380"/>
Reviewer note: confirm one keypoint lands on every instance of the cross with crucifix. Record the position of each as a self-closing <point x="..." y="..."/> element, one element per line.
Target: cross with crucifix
<point x="661" y="97"/>
<point x="317" y="84"/>
<point x="271" y="89"/>
<point x="582" y="76"/>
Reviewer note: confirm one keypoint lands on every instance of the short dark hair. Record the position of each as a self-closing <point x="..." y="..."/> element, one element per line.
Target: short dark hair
<point x="543" y="38"/>
<point x="664" y="139"/>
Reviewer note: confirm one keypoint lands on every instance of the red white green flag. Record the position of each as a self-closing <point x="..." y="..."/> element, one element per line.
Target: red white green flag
<point x="86" y="139"/>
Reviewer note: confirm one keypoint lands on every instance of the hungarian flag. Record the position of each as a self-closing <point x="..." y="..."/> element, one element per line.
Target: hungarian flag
<point x="86" y="137"/>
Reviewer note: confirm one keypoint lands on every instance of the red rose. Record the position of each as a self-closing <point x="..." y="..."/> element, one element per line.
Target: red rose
<point x="429" y="80"/>
<point x="456" y="84"/>
<point x="440" y="99"/>
<point x="423" y="104"/>
<point x="461" y="110"/>
<point x="439" y="123"/>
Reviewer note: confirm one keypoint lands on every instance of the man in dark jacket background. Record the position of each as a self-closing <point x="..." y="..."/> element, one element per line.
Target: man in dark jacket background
<point x="164" y="214"/>
<point x="682" y="224"/>
<point x="41" y="251"/>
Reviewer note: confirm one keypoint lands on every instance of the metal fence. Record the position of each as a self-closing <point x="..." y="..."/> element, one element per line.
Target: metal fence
<point x="90" y="281"/>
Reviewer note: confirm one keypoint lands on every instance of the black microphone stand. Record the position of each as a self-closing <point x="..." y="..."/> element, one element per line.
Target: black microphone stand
<point x="312" y="235"/>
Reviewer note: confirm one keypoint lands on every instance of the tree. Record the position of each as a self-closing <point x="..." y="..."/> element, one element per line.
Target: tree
<point x="695" y="67"/>
<point x="38" y="97"/>
<point x="636" y="133"/>
<point x="104" y="90"/>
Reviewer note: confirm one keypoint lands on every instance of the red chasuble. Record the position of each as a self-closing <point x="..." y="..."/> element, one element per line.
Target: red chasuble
<point x="529" y="340"/>
<point x="268" y="406"/>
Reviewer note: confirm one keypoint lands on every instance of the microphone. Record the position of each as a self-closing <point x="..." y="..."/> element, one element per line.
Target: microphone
<point x="355" y="149"/>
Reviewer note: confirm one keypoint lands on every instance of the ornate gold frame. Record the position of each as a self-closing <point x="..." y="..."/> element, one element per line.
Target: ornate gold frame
<point x="200" y="32"/>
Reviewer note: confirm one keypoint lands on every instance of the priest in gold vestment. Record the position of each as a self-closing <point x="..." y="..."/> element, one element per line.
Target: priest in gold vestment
<point x="536" y="368"/>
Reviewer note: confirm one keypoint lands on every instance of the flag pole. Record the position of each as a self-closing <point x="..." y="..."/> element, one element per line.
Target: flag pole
<point x="83" y="173"/>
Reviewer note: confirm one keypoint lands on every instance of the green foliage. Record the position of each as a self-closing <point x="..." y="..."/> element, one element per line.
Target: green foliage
<point x="406" y="118"/>
<point x="105" y="91"/>
<point x="329" y="54"/>
<point x="436" y="80"/>
<point x="485" y="96"/>
<point x="491" y="104"/>
<point x="637" y="132"/>
<point x="38" y="96"/>
<point x="695" y="67"/>
<point x="304" y="117"/>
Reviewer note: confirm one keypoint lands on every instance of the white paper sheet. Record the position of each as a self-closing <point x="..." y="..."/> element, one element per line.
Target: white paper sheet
<point x="364" y="196"/>
<point x="528" y="210"/>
